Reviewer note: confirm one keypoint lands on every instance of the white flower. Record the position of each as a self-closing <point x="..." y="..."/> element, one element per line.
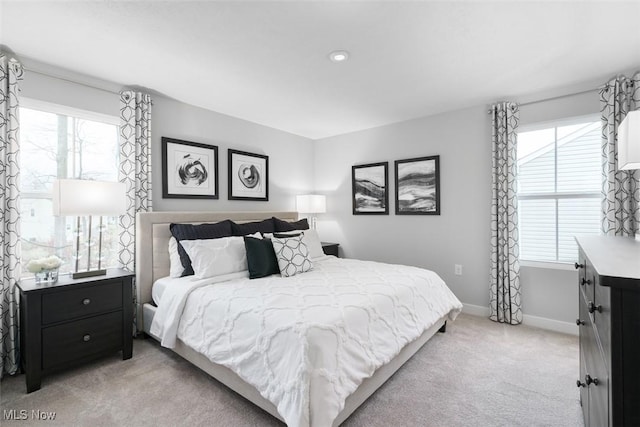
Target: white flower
<point x="34" y="266"/>
<point x="48" y="263"/>
<point x="51" y="262"/>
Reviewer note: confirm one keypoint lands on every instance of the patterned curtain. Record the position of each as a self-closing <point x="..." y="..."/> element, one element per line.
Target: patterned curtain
<point x="505" y="304"/>
<point x="135" y="168"/>
<point x="621" y="189"/>
<point x="10" y="74"/>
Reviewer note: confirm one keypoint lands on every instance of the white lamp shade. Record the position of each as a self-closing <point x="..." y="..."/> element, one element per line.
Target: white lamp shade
<point x="78" y="197"/>
<point x="629" y="142"/>
<point x="311" y="203"/>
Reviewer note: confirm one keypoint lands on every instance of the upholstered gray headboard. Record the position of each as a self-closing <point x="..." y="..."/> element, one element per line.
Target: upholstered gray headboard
<point x="152" y="240"/>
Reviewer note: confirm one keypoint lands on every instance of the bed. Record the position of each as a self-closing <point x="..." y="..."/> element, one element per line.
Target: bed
<point x="152" y="264"/>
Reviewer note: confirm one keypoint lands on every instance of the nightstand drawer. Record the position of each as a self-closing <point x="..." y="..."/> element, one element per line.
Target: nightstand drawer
<point x="82" y="301"/>
<point x="80" y="339"/>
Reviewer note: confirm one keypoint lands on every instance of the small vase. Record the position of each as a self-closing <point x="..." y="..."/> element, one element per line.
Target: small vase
<point x="47" y="277"/>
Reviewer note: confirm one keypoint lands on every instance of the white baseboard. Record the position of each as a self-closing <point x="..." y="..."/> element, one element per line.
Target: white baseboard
<point x="476" y="310"/>
<point x="550" y="324"/>
<point x="527" y="319"/>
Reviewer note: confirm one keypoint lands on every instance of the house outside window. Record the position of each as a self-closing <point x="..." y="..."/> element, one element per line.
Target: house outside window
<point x="559" y="187"/>
<point x="62" y="142"/>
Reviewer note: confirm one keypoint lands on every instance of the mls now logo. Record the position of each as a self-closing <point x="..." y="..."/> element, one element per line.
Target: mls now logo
<point x="23" y="414"/>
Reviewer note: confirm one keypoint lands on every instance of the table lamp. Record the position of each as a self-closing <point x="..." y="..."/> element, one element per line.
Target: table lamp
<point x="79" y="197"/>
<point x="311" y="204"/>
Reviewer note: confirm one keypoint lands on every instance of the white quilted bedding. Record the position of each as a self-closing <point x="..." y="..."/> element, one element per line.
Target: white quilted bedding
<point x="306" y="342"/>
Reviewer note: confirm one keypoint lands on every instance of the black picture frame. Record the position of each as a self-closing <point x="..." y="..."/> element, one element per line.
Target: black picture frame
<point x="370" y="189"/>
<point x="190" y="170"/>
<point x="417" y="185"/>
<point x="248" y="176"/>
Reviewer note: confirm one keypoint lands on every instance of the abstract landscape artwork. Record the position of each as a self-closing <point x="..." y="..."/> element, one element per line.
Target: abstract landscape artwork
<point x="418" y="186"/>
<point x="190" y="170"/>
<point x="369" y="188"/>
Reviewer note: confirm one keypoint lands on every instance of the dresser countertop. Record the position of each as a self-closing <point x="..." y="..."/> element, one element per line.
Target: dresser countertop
<point x="613" y="256"/>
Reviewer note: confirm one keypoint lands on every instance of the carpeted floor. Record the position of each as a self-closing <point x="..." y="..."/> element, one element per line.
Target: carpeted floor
<point x="478" y="373"/>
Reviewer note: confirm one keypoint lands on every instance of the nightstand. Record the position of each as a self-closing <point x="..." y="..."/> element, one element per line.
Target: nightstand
<point x="73" y="321"/>
<point x="330" y="248"/>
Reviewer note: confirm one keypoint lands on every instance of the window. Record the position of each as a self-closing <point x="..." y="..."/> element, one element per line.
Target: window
<point x="559" y="188"/>
<point x="60" y="142"/>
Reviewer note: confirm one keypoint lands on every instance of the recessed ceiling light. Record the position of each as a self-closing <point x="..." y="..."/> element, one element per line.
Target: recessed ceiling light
<point x="339" y="55"/>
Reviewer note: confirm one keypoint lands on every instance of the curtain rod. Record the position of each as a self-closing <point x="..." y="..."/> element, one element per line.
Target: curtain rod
<point x="560" y="96"/>
<point x="553" y="98"/>
<point x="70" y="81"/>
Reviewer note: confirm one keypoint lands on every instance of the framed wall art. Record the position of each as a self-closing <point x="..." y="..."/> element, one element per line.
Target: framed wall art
<point x="248" y="176"/>
<point x="190" y="170"/>
<point x="370" y="185"/>
<point x="418" y="186"/>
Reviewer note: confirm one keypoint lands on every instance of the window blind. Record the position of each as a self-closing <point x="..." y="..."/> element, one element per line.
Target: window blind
<point x="559" y="180"/>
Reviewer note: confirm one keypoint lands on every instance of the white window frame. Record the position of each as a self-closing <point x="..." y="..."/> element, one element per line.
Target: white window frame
<point x="555" y="265"/>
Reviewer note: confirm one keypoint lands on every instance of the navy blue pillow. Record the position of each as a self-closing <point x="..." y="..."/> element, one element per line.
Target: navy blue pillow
<point x="266" y="226"/>
<point x="197" y="232"/>
<point x="281" y="225"/>
<point x="261" y="258"/>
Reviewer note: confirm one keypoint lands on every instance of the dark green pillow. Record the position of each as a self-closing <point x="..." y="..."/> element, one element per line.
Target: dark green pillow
<point x="261" y="258"/>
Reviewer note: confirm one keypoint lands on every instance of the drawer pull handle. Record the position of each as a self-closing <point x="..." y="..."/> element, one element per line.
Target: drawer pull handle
<point x="86" y="301"/>
<point x="580" y="384"/>
<point x="589" y="380"/>
<point x="86" y="338"/>
<point x="579" y="322"/>
<point x="578" y="266"/>
<point x="585" y="282"/>
<point x="593" y="308"/>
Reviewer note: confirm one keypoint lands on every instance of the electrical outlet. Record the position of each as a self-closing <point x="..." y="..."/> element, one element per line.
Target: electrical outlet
<point x="458" y="269"/>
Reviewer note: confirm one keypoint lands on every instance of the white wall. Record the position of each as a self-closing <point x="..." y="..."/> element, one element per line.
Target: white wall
<point x="460" y="235"/>
<point x="290" y="156"/>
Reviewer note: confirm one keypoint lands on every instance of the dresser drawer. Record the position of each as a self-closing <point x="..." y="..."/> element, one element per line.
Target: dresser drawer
<point x="602" y="319"/>
<point x="587" y="279"/>
<point x="596" y="372"/>
<point x="598" y="393"/>
<point x="81" y="301"/>
<point x="584" y="327"/>
<point x="81" y="339"/>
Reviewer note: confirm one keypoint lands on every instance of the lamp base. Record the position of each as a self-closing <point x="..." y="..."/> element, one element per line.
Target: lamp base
<point x="83" y="274"/>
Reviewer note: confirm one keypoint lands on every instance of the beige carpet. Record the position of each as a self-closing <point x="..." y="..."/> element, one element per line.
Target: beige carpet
<point x="479" y="373"/>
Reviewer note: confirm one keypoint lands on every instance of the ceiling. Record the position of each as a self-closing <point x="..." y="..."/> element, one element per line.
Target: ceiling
<point x="267" y="62"/>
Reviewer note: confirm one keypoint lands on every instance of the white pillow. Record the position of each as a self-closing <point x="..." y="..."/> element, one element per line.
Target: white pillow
<point x="309" y="237"/>
<point x="215" y="257"/>
<point x="292" y="255"/>
<point x="175" y="265"/>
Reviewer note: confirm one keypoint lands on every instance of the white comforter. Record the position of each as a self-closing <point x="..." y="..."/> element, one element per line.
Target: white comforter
<point x="306" y="342"/>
